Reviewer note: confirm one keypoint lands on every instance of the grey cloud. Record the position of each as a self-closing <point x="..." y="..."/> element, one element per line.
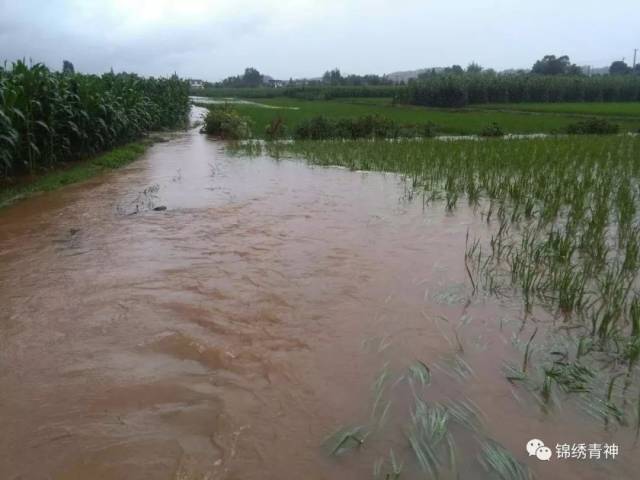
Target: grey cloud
<point x="309" y="37"/>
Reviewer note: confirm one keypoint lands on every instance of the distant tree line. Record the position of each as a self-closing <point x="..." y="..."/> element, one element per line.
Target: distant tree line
<point x="334" y="77"/>
<point x="621" y="68"/>
<point x="314" y="91"/>
<point x="251" y="78"/>
<point x="550" y="79"/>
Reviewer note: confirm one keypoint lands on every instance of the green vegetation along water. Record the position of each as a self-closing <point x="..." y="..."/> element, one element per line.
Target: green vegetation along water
<point x="74" y="173"/>
<point x="470" y="121"/>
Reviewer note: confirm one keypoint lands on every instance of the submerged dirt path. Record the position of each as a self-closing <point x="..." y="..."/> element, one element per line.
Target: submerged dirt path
<point x="227" y="336"/>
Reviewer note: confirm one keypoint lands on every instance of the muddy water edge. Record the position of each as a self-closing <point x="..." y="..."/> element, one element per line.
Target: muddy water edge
<point x="231" y="334"/>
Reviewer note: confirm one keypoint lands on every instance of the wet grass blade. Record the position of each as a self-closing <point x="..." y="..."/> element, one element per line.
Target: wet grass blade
<point x="498" y="461"/>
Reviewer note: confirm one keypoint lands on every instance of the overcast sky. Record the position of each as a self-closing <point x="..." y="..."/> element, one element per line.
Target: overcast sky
<point x="212" y="39"/>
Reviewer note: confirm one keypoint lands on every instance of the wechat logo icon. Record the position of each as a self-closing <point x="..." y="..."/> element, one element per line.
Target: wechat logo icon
<point x="536" y="448"/>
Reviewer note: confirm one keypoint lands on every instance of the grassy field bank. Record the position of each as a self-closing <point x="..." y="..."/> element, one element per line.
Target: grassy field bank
<point x="73" y="173"/>
<point x="521" y="118"/>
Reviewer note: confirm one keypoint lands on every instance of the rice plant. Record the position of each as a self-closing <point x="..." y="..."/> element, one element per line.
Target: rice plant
<point x="563" y="234"/>
<point x="499" y="461"/>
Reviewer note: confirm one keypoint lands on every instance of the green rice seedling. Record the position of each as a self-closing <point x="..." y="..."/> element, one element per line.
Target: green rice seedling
<point x="396" y="467"/>
<point x="571" y="377"/>
<point x="614" y="287"/>
<point x="378" y="389"/>
<point x="528" y="352"/>
<point x="561" y="233"/>
<point x="471" y="251"/>
<point x="420" y="373"/>
<point x="631" y="246"/>
<point x="638" y="418"/>
<point x="498" y="461"/>
<point x="570" y="284"/>
<point x="456" y="367"/>
<point x="428" y="436"/>
<point x="377" y="468"/>
<point x="634" y="315"/>
<point x="467" y="414"/>
<point x="345" y="439"/>
<point x="600" y="409"/>
<point x="382" y="418"/>
<point x="513" y="373"/>
<point x="585" y="345"/>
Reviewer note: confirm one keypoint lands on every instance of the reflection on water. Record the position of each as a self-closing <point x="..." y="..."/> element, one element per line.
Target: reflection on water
<point x="229" y="335"/>
<point x="225" y="100"/>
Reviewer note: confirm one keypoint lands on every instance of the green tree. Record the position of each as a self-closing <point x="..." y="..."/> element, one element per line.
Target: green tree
<point x="454" y="70"/>
<point x="619" y="68"/>
<point x="333" y="77"/>
<point x="473" y="67"/>
<point x="252" y="77"/>
<point x="552" y="65"/>
<point x="67" y="67"/>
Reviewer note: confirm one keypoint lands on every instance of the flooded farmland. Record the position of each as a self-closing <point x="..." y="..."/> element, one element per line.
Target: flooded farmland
<point x="276" y="320"/>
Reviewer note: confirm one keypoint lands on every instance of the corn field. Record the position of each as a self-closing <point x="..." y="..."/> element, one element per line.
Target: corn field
<point x="48" y="117"/>
<point x="461" y="90"/>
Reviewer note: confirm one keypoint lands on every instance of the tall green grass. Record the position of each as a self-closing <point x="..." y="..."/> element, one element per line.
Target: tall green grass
<point x="48" y="117"/>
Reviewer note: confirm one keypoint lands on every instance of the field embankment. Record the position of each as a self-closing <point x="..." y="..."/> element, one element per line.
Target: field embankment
<point x="76" y="172"/>
<point x="512" y="118"/>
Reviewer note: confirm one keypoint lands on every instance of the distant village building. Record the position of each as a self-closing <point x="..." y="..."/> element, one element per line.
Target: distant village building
<point x="197" y="84"/>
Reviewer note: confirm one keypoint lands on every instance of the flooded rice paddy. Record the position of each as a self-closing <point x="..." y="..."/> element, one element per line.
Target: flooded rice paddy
<point x="276" y="321"/>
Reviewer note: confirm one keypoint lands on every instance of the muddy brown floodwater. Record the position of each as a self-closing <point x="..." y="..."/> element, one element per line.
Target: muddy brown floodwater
<point x="229" y="335"/>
